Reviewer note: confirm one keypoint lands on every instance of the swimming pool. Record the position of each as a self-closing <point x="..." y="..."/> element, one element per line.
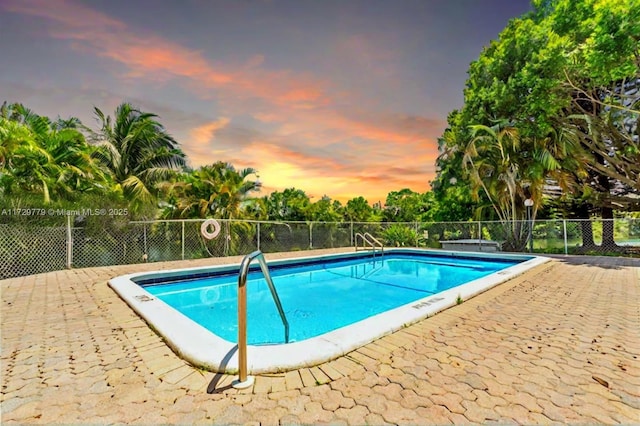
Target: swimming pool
<point x="333" y="303"/>
<point x="317" y="297"/>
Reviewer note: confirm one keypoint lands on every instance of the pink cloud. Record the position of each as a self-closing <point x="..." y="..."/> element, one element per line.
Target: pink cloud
<point x="282" y="167"/>
<point x="152" y="57"/>
<point x="204" y="134"/>
<point x="299" y="108"/>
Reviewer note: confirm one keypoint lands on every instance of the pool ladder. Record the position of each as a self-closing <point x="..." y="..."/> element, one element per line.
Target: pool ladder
<point x="370" y="240"/>
<point x="245" y="381"/>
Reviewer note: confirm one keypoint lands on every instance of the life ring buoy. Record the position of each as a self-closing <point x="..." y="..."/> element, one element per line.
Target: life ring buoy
<point x="204" y="229"/>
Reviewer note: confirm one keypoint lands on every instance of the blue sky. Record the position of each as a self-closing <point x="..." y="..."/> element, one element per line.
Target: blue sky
<point x="342" y="98"/>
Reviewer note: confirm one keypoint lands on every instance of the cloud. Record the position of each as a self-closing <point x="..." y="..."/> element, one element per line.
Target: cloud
<point x="306" y="133"/>
<point x="342" y="179"/>
<point x="344" y="158"/>
<point x="203" y="134"/>
<point x="201" y="148"/>
<point x="153" y="57"/>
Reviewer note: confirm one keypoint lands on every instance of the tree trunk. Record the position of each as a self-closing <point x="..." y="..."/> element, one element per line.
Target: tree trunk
<point x="606" y="211"/>
<point x="607" y="220"/>
<point x="586" y="226"/>
<point x="607" y="228"/>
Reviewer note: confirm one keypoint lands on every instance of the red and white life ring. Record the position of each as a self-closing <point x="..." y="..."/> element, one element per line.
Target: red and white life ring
<point x="204" y="229"/>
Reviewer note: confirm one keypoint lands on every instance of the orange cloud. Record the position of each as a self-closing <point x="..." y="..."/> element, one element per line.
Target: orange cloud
<point x="298" y="154"/>
<point x="313" y="143"/>
<point x="154" y="57"/>
<point x="204" y="133"/>
<point x="151" y="56"/>
<point x="317" y="175"/>
<point x="202" y="148"/>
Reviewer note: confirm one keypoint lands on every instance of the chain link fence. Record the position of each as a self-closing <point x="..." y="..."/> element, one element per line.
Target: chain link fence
<point x="30" y="245"/>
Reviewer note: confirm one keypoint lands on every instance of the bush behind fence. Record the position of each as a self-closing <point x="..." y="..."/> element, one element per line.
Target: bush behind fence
<point x="29" y="245"/>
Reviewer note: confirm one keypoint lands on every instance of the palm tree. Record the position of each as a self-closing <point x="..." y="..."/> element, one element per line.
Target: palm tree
<point x="498" y="165"/>
<point x="491" y="159"/>
<point x="17" y="146"/>
<point x="220" y="191"/>
<point x="17" y="112"/>
<point x="71" y="163"/>
<point x="217" y="190"/>
<point x="508" y="169"/>
<point x="39" y="156"/>
<point x="235" y="189"/>
<point x="13" y="135"/>
<point x="137" y="151"/>
<point x="192" y="195"/>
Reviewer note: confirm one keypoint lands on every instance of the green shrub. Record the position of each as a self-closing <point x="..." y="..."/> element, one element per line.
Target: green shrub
<point x="400" y="236"/>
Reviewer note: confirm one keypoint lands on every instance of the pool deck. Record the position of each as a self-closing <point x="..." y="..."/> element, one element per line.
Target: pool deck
<point x="559" y="344"/>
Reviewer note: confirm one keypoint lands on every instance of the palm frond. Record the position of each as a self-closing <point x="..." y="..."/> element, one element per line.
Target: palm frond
<point x="136" y="187"/>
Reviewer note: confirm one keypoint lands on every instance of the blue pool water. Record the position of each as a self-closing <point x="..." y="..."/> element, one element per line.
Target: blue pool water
<point x="321" y="296"/>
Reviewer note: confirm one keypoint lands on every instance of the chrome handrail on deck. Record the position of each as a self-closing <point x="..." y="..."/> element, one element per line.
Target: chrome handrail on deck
<point x="375" y="240"/>
<point x="371" y="240"/>
<point x="244" y="381"/>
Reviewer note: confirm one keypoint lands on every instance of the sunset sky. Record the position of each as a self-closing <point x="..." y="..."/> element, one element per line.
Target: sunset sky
<point x="343" y="98"/>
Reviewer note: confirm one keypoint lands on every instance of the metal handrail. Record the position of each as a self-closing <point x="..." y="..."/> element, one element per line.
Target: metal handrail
<point x="242" y="312"/>
<point x="361" y="237"/>
<point x="371" y="240"/>
<point x="375" y="240"/>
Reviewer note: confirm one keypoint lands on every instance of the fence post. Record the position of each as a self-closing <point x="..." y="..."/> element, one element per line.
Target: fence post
<point x="352" y="244"/>
<point x="566" y="247"/>
<point x="258" y="236"/>
<point x="69" y="243"/>
<point x="480" y="235"/>
<point x="146" y="251"/>
<point x="183" y="240"/>
<point x="227" y="236"/>
<point x="310" y="235"/>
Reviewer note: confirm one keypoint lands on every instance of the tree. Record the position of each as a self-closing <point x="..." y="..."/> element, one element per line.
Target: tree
<point x="450" y="190"/>
<point x="358" y="210"/>
<point x="557" y="75"/>
<point x="404" y="206"/>
<point x="507" y="173"/>
<point x="256" y="209"/>
<point x="235" y="189"/>
<point x="602" y="80"/>
<point x="13" y="136"/>
<point x="451" y="204"/>
<point x="137" y="151"/>
<point x="288" y="205"/>
<point x="489" y="159"/>
<point x="43" y="157"/>
<point x="324" y="210"/>
<point x="16" y="145"/>
<point x="217" y="190"/>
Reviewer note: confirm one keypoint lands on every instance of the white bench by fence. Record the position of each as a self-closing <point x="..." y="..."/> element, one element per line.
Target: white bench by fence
<point x="472" y="245"/>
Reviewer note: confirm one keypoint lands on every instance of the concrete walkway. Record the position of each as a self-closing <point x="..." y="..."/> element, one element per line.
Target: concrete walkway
<point x="560" y="344"/>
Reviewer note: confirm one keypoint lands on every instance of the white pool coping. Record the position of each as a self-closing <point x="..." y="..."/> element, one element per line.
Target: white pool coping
<point x="202" y="348"/>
